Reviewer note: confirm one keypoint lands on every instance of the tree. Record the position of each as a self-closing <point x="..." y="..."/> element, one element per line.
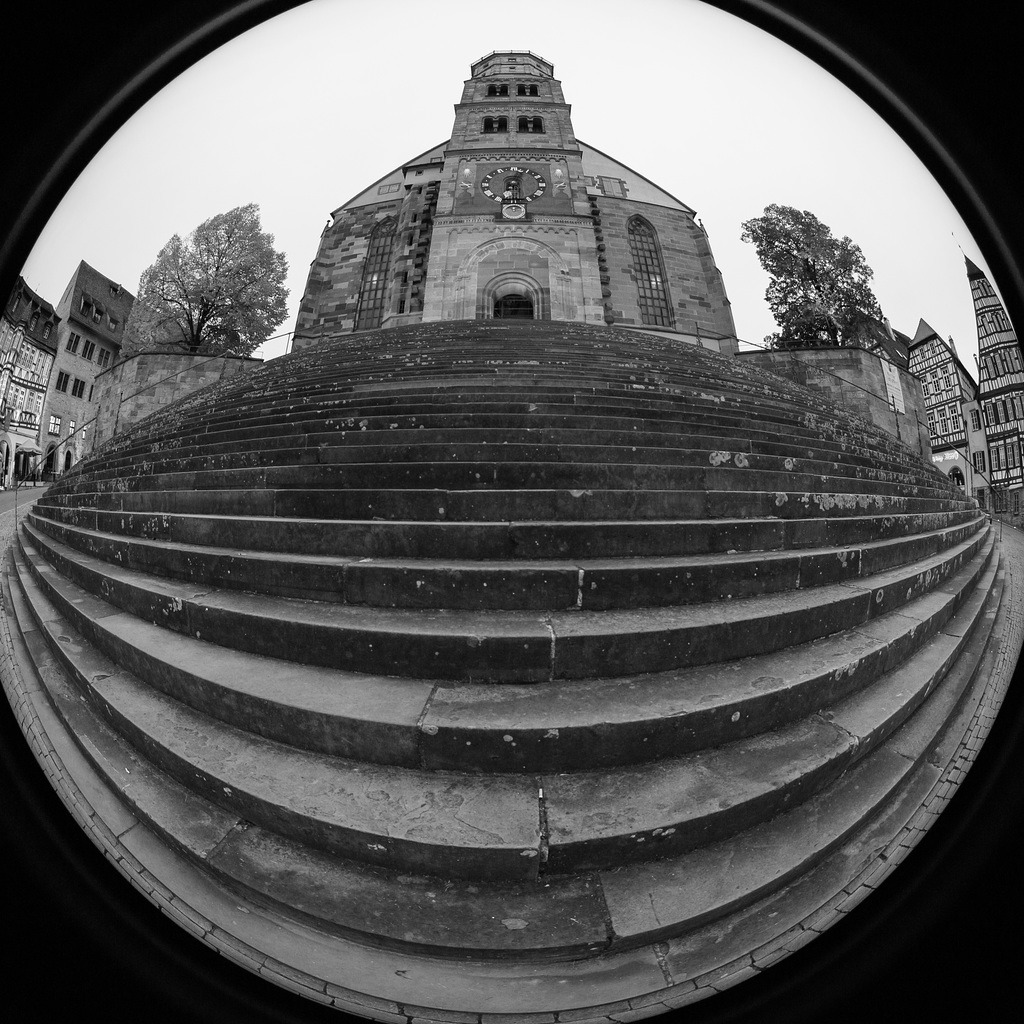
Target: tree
<point x="819" y="291"/>
<point x="220" y="290"/>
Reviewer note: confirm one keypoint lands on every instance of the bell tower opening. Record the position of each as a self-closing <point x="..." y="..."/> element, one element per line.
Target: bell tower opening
<point x="513" y="307"/>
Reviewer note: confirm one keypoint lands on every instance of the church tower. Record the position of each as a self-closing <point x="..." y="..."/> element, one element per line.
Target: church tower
<point x="514" y="234"/>
<point x="514" y="217"/>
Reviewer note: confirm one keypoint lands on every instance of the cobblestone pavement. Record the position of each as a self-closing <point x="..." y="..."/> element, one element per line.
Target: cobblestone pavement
<point x="997" y="668"/>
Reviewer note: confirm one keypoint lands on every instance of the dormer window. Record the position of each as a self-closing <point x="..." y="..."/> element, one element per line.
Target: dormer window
<point x="34" y="322"/>
<point x="46" y="330"/>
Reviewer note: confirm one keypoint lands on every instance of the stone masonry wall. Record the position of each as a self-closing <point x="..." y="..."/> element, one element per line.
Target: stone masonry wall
<point x="331" y="297"/>
<point x="854" y="380"/>
<point x="695" y="288"/>
<point x="144" y="383"/>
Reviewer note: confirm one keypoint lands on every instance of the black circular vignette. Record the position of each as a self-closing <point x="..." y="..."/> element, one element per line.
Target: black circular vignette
<point x="935" y="942"/>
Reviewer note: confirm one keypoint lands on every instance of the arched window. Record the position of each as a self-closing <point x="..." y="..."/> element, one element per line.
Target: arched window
<point x="497" y="90"/>
<point x="495" y="124"/>
<point x="652" y="291"/>
<point x="375" y="276"/>
<point x="526" y="90"/>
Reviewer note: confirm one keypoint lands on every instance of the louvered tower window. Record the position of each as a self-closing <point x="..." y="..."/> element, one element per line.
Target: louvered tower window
<point x="375" y="276"/>
<point x="652" y="292"/>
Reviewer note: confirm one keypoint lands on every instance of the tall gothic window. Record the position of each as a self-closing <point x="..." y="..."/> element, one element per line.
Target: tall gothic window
<point x="375" y="276"/>
<point x="652" y="291"/>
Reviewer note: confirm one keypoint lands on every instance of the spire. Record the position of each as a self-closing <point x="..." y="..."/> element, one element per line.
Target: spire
<point x="972" y="269"/>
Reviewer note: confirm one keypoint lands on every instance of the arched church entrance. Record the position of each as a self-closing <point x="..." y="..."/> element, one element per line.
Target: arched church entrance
<point x="513" y="307"/>
<point x="513" y="295"/>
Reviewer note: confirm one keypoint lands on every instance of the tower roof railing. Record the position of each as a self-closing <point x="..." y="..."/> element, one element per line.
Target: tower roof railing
<point x="529" y="53"/>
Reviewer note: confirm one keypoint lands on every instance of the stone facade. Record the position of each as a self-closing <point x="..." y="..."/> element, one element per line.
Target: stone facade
<point x="954" y="416"/>
<point x="93" y="311"/>
<point x="1001" y="397"/>
<point x="695" y="288"/>
<point x="514" y="216"/>
<point x="146" y="382"/>
<point x="28" y="336"/>
<point x="861" y="383"/>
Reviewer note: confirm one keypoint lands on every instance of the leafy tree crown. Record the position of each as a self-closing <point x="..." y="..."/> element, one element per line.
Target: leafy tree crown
<point x="218" y="291"/>
<point x="819" y="290"/>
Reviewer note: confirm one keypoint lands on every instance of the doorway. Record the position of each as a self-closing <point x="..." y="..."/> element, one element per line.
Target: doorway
<point x="513" y="307"/>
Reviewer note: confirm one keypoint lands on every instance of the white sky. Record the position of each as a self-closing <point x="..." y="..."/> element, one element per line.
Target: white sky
<point x="308" y="109"/>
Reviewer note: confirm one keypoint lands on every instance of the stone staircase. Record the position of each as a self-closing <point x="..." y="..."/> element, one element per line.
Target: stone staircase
<point x="502" y="668"/>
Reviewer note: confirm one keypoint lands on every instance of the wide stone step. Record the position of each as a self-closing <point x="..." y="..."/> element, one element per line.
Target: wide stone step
<point x="211" y="409"/>
<point x="717" y="471"/>
<point x="573" y="504"/>
<point x="648" y="900"/>
<point x="545" y="726"/>
<point x="523" y="414"/>
<point x="557" y="745"/>
<point x="362" y="414"/>
<point x="547" y="458"/>
<point x="500" y="540"/>
<point x="289" y="436"/>
<point x="455" y="582"/>
<point x="473" y="368"/>
<point x="504" y="646"/>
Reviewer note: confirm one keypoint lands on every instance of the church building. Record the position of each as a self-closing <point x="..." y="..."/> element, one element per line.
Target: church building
<point x="514" y="217"/>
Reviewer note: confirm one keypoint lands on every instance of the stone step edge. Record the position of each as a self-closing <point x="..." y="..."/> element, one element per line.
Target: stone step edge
<point x="419" y="733"/>
<point x="523" y="476"/>
<point x="427" y="505"/>
<point x="473" y="454"/>
<point x="694" y="446"/>
<point x="536" y="583"/>
<point x="845" y="739"/>
<point x="372" y="402"/>
<point x="496" y="646"/>
<point x="764" y="534"/>
<point x="427" y="417"/>
<point x="213" y="919"/>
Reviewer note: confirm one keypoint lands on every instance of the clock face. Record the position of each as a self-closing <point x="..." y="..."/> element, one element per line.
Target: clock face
<point x="513" y="184"/>
<point x="513" y="211"/>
